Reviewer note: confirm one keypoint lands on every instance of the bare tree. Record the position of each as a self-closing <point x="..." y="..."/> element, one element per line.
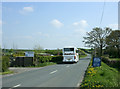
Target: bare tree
<point x="14" y="46"/>
<point x="37" y="48"/>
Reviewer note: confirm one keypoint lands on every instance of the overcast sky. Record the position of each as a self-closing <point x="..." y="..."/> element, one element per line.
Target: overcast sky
<point x="53" y="25"/>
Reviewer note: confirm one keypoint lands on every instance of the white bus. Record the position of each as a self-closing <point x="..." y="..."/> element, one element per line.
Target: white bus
<point x="70" y="54"/>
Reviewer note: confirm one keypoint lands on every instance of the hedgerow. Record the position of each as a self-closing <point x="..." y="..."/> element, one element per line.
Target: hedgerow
<point x="5" y="63"/>
<point x="44" y="59"/>
<point x="112" y="63"/>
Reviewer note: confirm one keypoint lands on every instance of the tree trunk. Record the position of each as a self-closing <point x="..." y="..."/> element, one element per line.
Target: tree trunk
<point x="118" y="51"/>
<point x="101" y="50"/>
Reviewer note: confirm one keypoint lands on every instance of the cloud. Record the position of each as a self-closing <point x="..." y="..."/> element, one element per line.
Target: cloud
<point x="82" y="24"/>
<point x="80" y="27"/>
<point x="56" y="23"/>
<point x="113" y="26"/>
<point x="26" y="10"/>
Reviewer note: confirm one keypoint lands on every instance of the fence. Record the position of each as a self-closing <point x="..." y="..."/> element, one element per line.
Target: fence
<point x="22" y="61"/>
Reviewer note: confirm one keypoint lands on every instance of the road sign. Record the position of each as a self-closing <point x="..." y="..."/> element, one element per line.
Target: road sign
<point x="96" y="62"/>
<point x="29" y="54"/>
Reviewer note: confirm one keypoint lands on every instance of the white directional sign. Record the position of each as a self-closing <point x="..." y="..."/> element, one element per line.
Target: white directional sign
<point x="29" y="54"/>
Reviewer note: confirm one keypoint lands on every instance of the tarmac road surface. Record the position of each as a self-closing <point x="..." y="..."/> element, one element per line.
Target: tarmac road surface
<point x="60" y="75"/>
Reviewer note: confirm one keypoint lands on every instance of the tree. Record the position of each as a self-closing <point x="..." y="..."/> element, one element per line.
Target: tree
<point x="37" y="48"/>
<point x="96" y="38"/>
<point x="113" y="40"/>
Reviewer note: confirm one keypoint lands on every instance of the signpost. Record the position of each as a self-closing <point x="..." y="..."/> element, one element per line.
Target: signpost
<point x="96" y="62"/>
<point x="29" y="54"/>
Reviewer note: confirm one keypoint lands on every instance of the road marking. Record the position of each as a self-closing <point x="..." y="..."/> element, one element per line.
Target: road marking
<point x="80" y="81"/>
<point x="16" y="85"/>
<point x="67" y="66"/>
<point x="78" y="84"/>
<point x="53" y="72"/>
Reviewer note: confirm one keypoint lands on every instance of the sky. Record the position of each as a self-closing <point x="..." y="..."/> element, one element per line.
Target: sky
<point x="53" y="24"/>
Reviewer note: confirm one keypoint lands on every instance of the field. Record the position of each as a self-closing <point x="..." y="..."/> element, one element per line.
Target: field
<point x="103" y="76"/>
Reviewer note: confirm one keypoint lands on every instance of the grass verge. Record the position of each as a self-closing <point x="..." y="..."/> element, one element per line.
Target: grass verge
<point x="7" y="72"/>
<point x="82" y="56"/>
<point x="114" y="59"/>
<point x="103" y="76"/>
<point x="40" y="65"/>
<point x="45" y="64"/>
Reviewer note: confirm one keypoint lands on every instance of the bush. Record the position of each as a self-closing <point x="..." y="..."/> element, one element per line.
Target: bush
<point x="5" y="63"/>
<point x="57" y="59"/>
<point x="44" y="59"/>
<point x="112" y="52"/>
<point x="54" y="52"/>
<point x="112" y="63"/>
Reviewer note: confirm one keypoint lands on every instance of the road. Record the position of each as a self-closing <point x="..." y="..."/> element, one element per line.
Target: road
<point x="60" y="75"/>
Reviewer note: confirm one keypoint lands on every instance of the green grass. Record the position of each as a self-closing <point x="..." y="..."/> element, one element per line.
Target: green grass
<point x="103" y="76"/>
<point x="40" y="65"/>
<point x="45" y="64"/>
<point x="7" y="72"/>
<point x="114" y="59"/>
<point x="82" y="56"/>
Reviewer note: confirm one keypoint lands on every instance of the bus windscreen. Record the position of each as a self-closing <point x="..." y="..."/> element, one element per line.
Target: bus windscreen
<point x="68" y="49"/>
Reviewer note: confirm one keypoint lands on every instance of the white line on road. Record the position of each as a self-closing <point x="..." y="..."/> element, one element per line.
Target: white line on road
<point x="53" y="72"/>
<point x="78" y="84"/>
<point x="80" y="81"/>
<point x="17" y="85"/>
<point x="67" y="66"/>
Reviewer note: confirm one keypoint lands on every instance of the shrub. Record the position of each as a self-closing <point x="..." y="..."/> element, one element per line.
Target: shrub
<point x="5" y="63"/>
<point x="54" y="52"/>
<point x="44" y="59"/>
<point x="112" y="52"/>
<point x="112" y="63"/>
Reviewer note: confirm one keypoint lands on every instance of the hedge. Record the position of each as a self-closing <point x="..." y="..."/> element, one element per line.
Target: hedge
<point x="37" y="60"/>
<point x="5" y="63"/>
<point x="44" y="59"/>
<point x="112" y="63"/>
